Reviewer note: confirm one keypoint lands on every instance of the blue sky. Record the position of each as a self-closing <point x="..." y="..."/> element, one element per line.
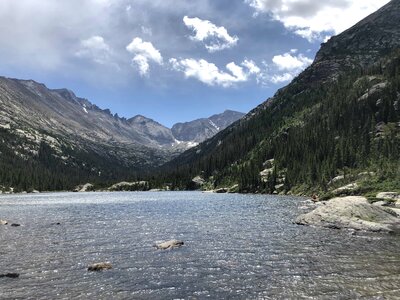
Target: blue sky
<point x="170" y="60"/>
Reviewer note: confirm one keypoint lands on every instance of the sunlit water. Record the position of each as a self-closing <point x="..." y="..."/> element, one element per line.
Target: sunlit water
<point x="236" y="247"/>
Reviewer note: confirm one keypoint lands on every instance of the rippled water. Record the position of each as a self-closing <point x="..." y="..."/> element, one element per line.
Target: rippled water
<point x="236" y="247"/>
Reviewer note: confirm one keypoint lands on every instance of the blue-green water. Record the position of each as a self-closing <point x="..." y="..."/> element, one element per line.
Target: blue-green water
<point x="236" y="247"/>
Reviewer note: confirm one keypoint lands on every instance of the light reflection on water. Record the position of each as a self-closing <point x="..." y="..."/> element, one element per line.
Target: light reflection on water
<point x="236" y="246"/>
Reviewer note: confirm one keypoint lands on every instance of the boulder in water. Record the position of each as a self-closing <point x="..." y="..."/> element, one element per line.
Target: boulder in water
<point x="353" y="213"/>
<point x="169" y="245"/>
<point x="9" y="275"/>
<point x="97" y="267"/>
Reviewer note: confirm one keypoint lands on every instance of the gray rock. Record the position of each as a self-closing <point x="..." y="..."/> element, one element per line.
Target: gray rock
<point x="353" y="213"/>
<point x="97" y="267"/>
<point x="198" y="180"/>
<point x="336" y="179"/>
<point x="345" y="189"/>
<point x="169" y="245"/>
<point x="9" y="275"/>
<point x="388" y="196"/>
<point x="221" y="190"/>
<point x="88" y="187"/>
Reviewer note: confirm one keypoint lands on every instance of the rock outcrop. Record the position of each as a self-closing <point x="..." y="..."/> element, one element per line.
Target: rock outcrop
<point x="88" y="187"/>
<point x="353" y="213"/>
<point x="169" y="245"/>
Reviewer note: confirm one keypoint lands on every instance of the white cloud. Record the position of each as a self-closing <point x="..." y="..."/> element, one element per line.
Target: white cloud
<point x="215" y="38"/>
<point x="144" y="52"/>
<point x="310" y="18"/>
<point x="284" y="68"/>
<point x="290" y="62"/>
<point x="251" y="66"/>
<point x="210" y="74"/>
<point x="96" y="49"/>
<point x="142" y="64"/>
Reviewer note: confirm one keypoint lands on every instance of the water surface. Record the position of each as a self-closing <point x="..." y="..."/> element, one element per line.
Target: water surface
<point x="236" y="247"/>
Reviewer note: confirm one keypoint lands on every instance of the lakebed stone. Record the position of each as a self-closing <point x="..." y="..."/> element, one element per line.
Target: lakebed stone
<point x="169" y="245"/>
<point x="352" y="212"/>
<point x="97" y="267"/>
<point x="9" y="275"/>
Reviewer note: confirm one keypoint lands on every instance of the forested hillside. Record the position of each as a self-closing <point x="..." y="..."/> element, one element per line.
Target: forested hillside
<point x="340" y="117"/>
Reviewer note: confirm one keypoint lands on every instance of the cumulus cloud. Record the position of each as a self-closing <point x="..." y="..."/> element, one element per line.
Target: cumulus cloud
<point x="310" y="18"/>
<point x="210" y="74"/>
<point x="214" y="38"/>
<point x="144" y="53"/>
<point x="285" y="67"/>
<point x="290" y="62"/>
<point x="96" y="49"/>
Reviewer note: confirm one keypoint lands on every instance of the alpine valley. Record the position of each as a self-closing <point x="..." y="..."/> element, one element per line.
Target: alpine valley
<point x="53" y="140"/>
<point x="335" y="129"/>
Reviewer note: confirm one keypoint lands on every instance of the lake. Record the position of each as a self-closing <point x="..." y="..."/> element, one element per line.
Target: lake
<point x="236" y="247"/>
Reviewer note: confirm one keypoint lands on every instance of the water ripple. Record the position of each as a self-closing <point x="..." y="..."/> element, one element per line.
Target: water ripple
<point x="236" y="247"/>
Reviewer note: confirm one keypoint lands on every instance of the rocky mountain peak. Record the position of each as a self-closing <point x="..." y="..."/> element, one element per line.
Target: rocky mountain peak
<point x="201" y="129"/>
<point x="374" y="35"/>
<point x="358" y="46"/>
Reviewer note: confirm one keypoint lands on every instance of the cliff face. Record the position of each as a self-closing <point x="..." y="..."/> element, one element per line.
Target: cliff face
<point x="359" y="46"/>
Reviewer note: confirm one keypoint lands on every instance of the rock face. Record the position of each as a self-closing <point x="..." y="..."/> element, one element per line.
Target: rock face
<point x="359" y="44"/>
<point x="353" y="213"/>
<point x="169" y="245"/>
<point x="97" y="267"/>
<point x="199" y="130"/>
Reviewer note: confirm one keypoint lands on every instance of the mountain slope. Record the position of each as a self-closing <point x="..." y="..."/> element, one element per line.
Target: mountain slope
<point x="200" y="130"/>
<point x="52" y="139"/>
<point x="340" y="116"/>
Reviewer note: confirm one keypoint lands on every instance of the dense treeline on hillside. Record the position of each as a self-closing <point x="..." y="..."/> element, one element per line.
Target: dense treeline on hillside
<point x="314" y="133"/>
<point x="23" y="170"/>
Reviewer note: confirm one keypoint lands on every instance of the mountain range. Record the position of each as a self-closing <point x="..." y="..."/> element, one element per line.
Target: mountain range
<point x="334" y="129"/>
<point x="79" y="135"/>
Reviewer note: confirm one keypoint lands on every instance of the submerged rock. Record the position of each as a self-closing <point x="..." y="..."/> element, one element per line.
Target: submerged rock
<point x="97" y="267"/>
<point x="169" y="245"/>
<point x="353" y="213"/>
<point x="9" y="275"/>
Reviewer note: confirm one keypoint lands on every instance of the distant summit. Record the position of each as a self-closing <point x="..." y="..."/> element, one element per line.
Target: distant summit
<point x="202" y="129"/>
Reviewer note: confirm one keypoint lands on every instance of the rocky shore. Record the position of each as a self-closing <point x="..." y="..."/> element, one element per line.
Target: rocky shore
<point x="356" y="212"/>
